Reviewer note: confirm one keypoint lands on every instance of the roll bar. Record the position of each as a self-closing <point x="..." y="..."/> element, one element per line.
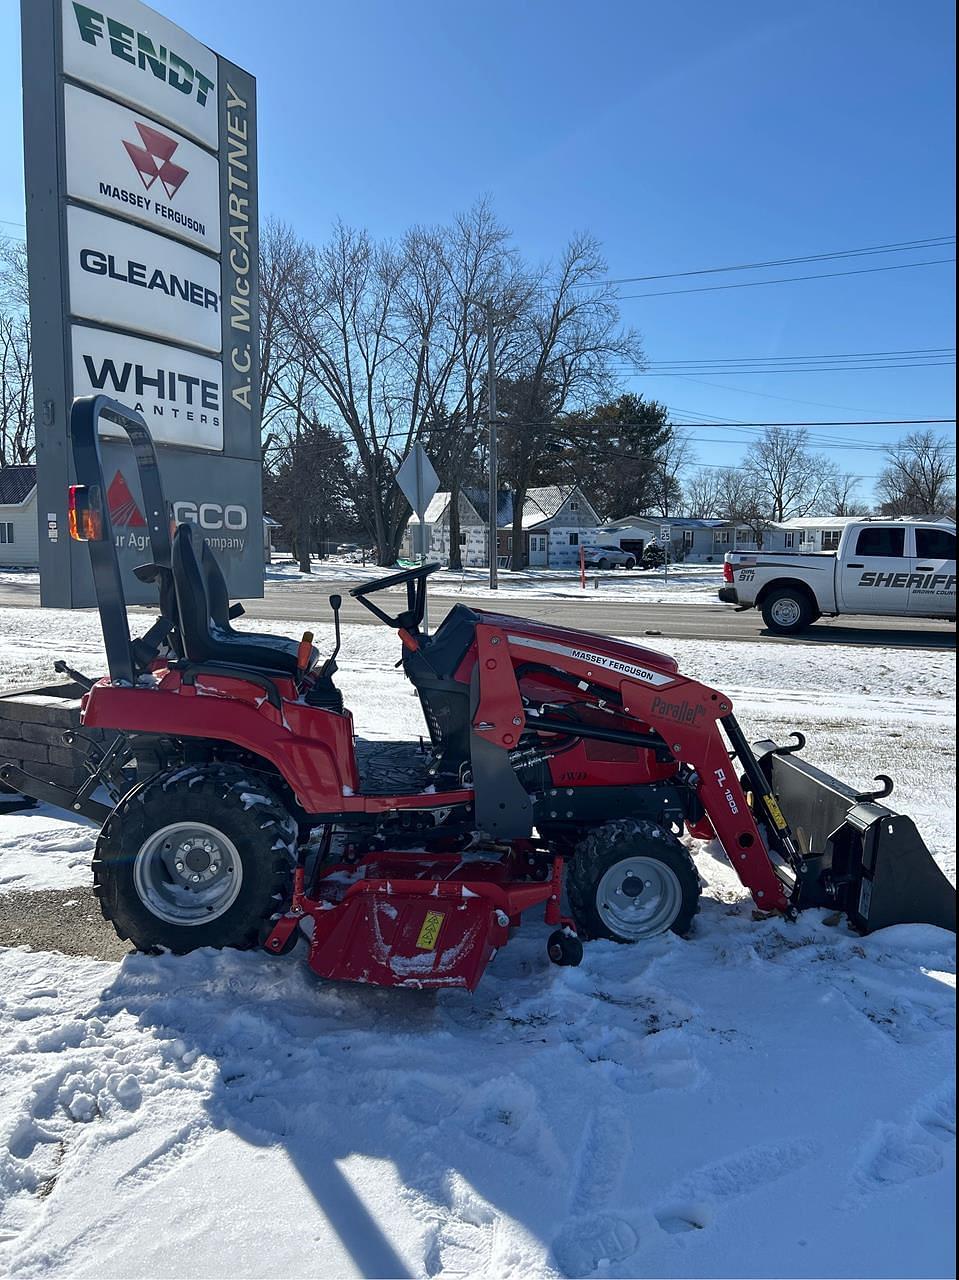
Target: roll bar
<point x="85" y="418"/>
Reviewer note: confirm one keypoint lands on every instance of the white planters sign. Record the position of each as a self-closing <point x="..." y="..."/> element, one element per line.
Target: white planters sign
<point x="129" y="51"/>
<point x="125" y="163"/>
<point x="179" y="392"/>
<point x="132" y="279"/>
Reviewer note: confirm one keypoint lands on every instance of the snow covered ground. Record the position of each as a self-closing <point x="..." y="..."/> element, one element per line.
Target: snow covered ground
<point x="684" y="584"/>
<point x="761" y="1099"/>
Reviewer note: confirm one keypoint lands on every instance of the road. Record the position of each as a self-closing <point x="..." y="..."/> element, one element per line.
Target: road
<point x="307" y="602"/>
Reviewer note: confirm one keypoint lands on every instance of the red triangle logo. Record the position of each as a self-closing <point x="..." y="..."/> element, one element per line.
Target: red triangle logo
<point x="122" y="504"/>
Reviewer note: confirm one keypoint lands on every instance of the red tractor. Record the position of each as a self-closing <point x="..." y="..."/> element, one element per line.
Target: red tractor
<point x="243" y="809"/>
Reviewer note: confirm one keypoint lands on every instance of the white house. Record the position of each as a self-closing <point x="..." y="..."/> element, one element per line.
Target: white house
<point x="807" y="534"/>
<point x="557" y="519"/>
<point x="18" y="517"/>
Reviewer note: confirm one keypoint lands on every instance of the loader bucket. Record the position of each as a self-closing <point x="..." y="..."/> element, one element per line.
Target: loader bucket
<point x="859" y="857"/>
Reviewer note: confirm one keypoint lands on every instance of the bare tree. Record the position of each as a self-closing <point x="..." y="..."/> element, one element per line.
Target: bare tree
<point x="742" y="500"/>
<point x="919" y="477"/>
<point x="569" y="337"/>
<point x="702" y="494"/>
<point x="790" y="477"/>
<point x="840" y="497"/>
<point x="17" y="442"/>
<point x="673" y="457"/>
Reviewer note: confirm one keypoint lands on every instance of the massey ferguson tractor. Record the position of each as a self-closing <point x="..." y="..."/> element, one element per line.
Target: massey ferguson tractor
<point x="237" y="806"/>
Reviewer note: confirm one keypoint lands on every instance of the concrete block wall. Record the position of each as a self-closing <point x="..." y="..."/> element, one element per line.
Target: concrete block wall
<point x="32" y="724"/>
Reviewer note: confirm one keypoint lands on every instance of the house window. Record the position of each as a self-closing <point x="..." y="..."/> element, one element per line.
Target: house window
<point x="574" y="504"/>
<point x="688" y="537"/>
<point x="830" y="540"/>
<point x="789" y="541"/>
<point x="462" y="539"/>
<point x="6" y="532"/>
<point x="574" y="539"/>
<point x="721" y="537"/>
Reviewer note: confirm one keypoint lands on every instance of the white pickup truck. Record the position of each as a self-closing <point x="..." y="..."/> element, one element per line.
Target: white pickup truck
<point x="900" y="568"/>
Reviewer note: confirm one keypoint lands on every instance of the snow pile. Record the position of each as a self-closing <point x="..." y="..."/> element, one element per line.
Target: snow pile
<point x="762" y="1099"/>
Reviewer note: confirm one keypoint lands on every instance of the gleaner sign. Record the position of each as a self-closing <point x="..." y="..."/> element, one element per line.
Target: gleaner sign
<point x="123" y="276"/>
<point x="142" y="230"/>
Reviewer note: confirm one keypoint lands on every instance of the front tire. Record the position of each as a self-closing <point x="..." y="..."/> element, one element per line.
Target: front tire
<point x="630" y="564"/>
<point x="787" y="611"/>
<point x="195" y="857"/>
<point x="629" y="881"/>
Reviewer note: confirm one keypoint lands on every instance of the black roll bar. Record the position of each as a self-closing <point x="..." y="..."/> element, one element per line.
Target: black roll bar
<point x="85" y="418"/>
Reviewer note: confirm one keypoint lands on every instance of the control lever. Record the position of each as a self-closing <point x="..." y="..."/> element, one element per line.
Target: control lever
<point x="329" y="666"/>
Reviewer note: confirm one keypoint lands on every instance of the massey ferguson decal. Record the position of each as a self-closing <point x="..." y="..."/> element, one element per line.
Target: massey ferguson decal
<point x="934" y="584"/>
<point x="628" y="669"/>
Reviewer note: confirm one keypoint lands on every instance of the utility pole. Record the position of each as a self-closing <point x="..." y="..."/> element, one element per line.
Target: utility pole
<point x="493" y="480"/>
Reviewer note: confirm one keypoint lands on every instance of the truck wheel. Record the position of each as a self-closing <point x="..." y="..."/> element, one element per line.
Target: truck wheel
<point x="196" y="857"/>
<point x="629" y="881"/>
<point x="787" y="611"/>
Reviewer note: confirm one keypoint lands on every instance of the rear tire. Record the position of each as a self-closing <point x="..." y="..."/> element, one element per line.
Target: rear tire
<point x="603" y="564"/>
<point x="630" y="880"/>
<point x="196" y="857"/>
<point x="787" y="611"/>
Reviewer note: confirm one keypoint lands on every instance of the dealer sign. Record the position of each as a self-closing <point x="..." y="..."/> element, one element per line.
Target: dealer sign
<point x="124" y="162"/>
<point x="179" y="393"/>
<point x="120" y="275"/>
<point x="132" y="53"/>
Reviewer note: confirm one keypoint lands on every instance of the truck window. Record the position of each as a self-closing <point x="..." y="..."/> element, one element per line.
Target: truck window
<point x="935" y="544"/>
<point x="881" y="541"/>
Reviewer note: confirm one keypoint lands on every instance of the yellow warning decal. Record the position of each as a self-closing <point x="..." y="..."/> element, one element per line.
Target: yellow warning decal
<point x="772" y="807"/>
<point x="430" y="930"/>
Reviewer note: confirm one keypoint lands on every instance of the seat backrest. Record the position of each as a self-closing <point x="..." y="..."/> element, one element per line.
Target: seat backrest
<point x="193" y="604"/>
<point x="217" y="593"/>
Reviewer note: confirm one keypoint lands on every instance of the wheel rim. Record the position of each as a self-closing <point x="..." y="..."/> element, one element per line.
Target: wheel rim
<point x="639" y="898"/>
<point x="188" y="873"/>
<point x="786" y="612"/>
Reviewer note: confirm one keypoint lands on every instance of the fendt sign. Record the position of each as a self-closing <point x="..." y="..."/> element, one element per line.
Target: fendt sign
<point x="140" y="158"/>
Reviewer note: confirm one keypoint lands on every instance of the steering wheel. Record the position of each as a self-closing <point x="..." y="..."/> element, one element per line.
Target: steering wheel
<point x="415" y="582"/>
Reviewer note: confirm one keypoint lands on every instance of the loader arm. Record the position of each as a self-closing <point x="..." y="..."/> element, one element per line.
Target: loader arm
<point x="695" y="722"/>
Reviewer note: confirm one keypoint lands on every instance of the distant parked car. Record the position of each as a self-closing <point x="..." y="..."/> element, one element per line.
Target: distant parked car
<point x="608" y="557"/>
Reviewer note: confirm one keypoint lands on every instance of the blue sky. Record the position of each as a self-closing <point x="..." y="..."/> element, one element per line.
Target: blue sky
<point x="684" y="136"/>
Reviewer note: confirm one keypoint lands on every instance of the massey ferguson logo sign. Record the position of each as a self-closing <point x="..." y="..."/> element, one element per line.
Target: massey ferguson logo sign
<point x="179" y="393"/>
<point x="132" y="279"/>
<point x="128" y="166"/>
<point x="140" y="57"/>
<point x="124" y="512"/>
<point x="154" y="159"/>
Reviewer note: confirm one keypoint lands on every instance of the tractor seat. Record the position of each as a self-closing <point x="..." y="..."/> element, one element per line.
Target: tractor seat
<point x="445" y="701"/>
<point x="203" y="606"/>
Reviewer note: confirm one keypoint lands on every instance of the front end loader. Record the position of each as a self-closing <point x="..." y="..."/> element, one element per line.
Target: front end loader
<point x="563" y="769"/>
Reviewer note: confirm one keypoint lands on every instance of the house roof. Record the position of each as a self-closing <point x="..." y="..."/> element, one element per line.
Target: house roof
<point x="674" y="522"/>
<point x="17" y="483"/>
<point x="541" y="504"/>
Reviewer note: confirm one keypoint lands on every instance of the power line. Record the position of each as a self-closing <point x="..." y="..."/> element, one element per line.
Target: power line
<point x="900" y="246"/>
<point x="757" y="284"/>
<point x="915" y="352"/>
<point x="656" y="371"/>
